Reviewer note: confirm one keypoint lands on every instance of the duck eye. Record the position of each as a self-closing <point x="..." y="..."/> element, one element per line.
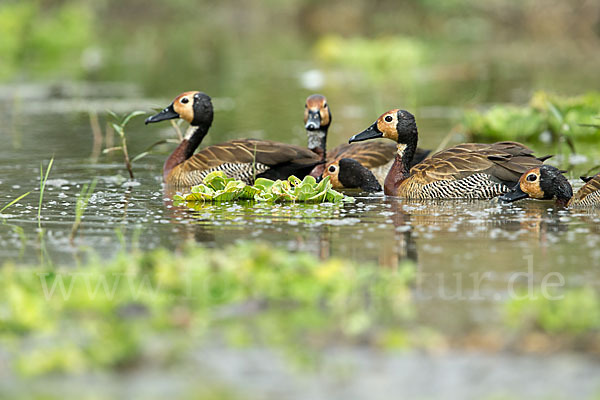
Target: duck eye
<point x="325" y="105"/>
<point x="332" y="168"/>
<point x="185" y="100"/>
<point x="388" y="118"/>
<point x="531" y="177"/>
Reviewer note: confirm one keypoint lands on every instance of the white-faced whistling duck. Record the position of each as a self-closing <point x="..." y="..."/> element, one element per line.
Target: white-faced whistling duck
<point x="357" y="176"/>
<point x="548" y="182"/>
<point x="349" y="173"/>
<point x="377" y="156"/>
<point x="243" y="159"/>
<point x="467" y="171"/>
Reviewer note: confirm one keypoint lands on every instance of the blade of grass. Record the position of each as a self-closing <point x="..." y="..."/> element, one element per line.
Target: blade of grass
<point x="80" y="206"/>
<point x="111" y="149"/>
<point x="13" y="202"/>
<point x="149" y="148"/>
<point x="112" y="114"/>
<point x="43" y="179"/>
<point x="140" y="156"/>
<point x="597" y="126"/>
<point x="119" y="127"/>
<point x="557" y="114"/>
<point x="590" y="172"/>
<point x="131" y="115"/>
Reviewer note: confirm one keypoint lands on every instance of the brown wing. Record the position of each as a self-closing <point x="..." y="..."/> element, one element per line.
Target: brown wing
<point x="248" y="151"/>
<point x="506" y="161"/>
<point x="420" y="155"/>
<point x="592" y="185"/>
<point x="371" y="154"/>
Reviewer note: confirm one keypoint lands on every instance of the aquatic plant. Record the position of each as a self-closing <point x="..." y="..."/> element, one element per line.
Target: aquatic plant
<point x="80" y="207"/>
<point x="14" y="201"/>
<point x="564" y="118"/>
<point x="119" y="127"/>
<point x="592" y="171"/>
<point x="218" y="187"/>
<point x="16" y="228"/>
<point x="576" y="311"/>
<point x="504" y="122"/>
<point x="43" y="179"/>
<point x="156" y="306"/>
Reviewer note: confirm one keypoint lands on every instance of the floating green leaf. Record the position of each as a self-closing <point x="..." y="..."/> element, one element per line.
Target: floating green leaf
<point x="218" y="187"/>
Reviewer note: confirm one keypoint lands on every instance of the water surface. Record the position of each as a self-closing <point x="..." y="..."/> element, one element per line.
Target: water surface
<point x="471" y="256"/>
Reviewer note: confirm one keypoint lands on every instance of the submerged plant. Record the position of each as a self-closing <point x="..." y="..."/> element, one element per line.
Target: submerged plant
<point x="218" y="187"/>
<point x="119" y="127"/>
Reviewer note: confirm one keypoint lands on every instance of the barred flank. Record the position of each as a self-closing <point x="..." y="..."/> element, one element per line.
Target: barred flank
<point x="241" y="171"/>
<point x="476" y="186"/>
<point x="592" y="199"/>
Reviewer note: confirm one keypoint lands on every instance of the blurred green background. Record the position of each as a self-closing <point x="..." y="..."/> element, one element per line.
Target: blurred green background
<point x="267" y="55"/>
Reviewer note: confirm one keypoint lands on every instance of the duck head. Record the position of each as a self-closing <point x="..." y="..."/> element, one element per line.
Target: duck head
<point x="317" y="119"/>
<point x="542" y="183"/>
<point x="193" y="107"/>
<point x="349" y="173"/>
<point x="397" y="125"/>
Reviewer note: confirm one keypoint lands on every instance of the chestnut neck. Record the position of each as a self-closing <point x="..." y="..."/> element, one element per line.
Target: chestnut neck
<point x="562" y="202"/>
<point x="186" y="148"/>
<point x="400" y="169"/>
<point x="563" y="198"/>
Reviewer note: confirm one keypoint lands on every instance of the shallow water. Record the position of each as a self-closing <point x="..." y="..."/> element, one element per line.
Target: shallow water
<point x="471" y="255"/>
<point x="262" y="374"/>
<point x="466" y="251"/>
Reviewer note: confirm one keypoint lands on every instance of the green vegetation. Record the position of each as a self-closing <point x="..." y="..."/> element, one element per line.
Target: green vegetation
<point x="577" y="311"/>
<point x="48" y="40"/>
<point x="80" y="207"/>
<point x="14" y="201"/>
<point x="43" y="180"/>
<point x="119" y="127"/>
<point x="156" y="306"/>
<point x="381" y="60"/>
<point x="570" y="117"/>
<point x="218" y="187"/>
<point x="16" y="228"/>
